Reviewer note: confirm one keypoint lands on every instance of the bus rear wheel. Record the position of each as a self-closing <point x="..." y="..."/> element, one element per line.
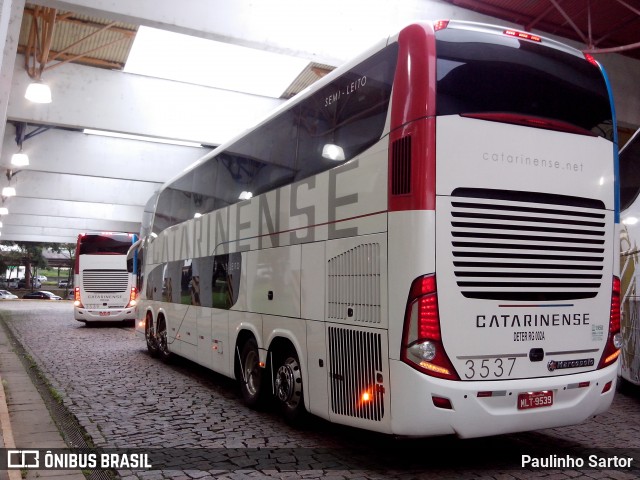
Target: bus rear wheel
<point x="251" y="375"/>
<point x="288" y="389"/>
<point x="152" y="344"/>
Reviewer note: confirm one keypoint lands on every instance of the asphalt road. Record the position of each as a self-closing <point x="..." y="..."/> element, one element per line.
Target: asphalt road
<point x="194" y="425"/>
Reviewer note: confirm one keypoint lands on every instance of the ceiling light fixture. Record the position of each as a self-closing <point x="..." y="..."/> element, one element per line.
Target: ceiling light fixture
<point x="37" y="53"/>
<point x="105" y="133"/>
<point x="38" y="92"/>
<point x="8" y="192"/>
<point x="4" y="211"/>
<point x="20" y="159"/>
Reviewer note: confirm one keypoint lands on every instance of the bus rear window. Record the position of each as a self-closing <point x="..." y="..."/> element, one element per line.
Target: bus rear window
<point x="479" y="73"/>
<point x="104" y="245"/>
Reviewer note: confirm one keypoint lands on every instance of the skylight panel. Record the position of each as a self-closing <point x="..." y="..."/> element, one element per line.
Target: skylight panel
<point x="188" y="59"/>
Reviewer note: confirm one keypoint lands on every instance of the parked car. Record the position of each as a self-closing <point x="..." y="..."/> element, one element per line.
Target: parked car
<point x="34" y="282"/>
<point x="41" y="295"/>
<point x="6" y="295"/>
<point x="64" y="283"/>
<point x="42" y="278"/>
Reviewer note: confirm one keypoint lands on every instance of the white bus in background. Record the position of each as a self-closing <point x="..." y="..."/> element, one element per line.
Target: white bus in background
<point x="424" y="242"/>
<point x="629" y="269"/>
<point x="104" y="290"/>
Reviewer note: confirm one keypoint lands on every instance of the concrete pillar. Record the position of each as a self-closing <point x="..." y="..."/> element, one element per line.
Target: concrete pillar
<point x="10" y="20"/>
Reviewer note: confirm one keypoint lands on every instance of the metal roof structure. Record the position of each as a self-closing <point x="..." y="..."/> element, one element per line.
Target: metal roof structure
<point x="50" y="37"/>
<point x="601" y="26"/>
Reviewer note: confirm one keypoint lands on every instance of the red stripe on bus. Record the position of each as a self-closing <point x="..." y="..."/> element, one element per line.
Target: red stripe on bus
<point x="413" y="108"/>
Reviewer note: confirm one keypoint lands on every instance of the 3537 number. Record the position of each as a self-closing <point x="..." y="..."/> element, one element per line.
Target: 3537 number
<point x="489" y="367"/>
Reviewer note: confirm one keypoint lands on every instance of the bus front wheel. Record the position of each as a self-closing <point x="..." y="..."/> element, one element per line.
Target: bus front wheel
<point x="288" y="389"/>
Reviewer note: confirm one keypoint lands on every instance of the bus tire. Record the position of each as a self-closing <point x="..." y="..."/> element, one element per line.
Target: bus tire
<point x="251" y="375"/>
<point x="152" y="343"/>
<point x="288" y="388"/>
<point x="161" y="339"/>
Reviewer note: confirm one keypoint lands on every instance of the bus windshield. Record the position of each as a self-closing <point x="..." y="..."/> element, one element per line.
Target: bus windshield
<point x="478" y="72"/>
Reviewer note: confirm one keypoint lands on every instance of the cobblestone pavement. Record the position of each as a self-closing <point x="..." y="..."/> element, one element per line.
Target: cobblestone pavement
<point x="125" y="399"/>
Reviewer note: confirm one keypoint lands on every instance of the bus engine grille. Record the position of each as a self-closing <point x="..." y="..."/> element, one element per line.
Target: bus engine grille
<point x="509" y="245"/>
<point x="105" y="281"/>
<point x="355" y="373"/>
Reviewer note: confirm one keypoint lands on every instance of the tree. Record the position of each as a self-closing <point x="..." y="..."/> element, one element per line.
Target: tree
<point x="67" y="250"/>
<point x="32" y="257"/>
<point x="27" y="254"/>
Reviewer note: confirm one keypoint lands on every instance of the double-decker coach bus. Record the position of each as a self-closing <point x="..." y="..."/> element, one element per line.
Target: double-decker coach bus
<point x="629" y="242"/>
<point x="424" y="242"/>
<point x="104" y="289"/>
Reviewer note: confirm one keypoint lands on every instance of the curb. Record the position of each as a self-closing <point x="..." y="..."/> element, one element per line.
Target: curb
<point x="7" y="431"/>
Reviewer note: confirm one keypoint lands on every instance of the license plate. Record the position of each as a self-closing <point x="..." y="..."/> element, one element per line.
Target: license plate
<point x="105" y="314"/>
<point x="535" y="400"/>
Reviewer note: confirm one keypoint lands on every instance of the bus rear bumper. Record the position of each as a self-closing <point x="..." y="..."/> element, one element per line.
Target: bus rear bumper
<point x="495" y="411"/>
<point x="104" y="315"/>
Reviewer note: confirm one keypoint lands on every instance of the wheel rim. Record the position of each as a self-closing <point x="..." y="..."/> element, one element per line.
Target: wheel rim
<point x="162" y="339"/>
<point x="289" y="382"/>
<point x="149" y="336"/>
<point x="251" y="372"/>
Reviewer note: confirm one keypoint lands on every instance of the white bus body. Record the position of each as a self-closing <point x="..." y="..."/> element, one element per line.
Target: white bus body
<point x="454" y="274"/>
<point x="104" y="290"/>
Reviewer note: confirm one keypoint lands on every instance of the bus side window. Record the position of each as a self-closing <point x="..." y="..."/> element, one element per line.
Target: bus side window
<point x="630" y="171"/>
<point x="139" y="270"/>
<point x="155" y="284"/>
<point x="187" y="296"/>
<point x="225" y="280"/>
<point x="347" y="116"/>
<point x="172" y="279"/>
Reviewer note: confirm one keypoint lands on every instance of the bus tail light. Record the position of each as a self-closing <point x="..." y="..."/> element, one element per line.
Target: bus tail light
<point x="522" y="35"/>
<point x="422" y="346"/>
<point x="614" y="339"/>
<point x="590" y="58"/>
<point x="132" y="297"/>
<point x="440" y="25"/>
<point x="76" y="297"/>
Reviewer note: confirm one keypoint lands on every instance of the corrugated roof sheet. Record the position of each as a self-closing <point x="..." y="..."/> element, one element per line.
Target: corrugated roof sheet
<point x="313" y="72"/>
<point x="109" y="47"/>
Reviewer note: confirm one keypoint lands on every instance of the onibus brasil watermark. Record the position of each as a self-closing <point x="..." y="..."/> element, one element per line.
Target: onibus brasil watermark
<point x="55" y="459"/>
